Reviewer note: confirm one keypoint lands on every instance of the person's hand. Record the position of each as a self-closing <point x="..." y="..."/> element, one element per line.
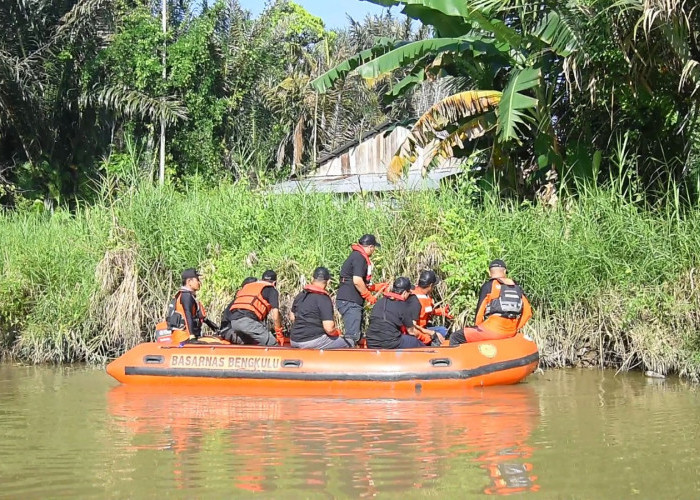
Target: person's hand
<point x="444" y="312"/>
<point x="279" y="335"/>
<point x="369" y="297"/>
<point x="379" y="287"/>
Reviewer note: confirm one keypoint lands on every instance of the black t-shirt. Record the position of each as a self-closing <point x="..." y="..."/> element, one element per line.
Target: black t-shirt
<point x="310" y="310"/>
<point x="354" y="265"/>
<point x="269" y="293"/>
<point x="386" y="320"/>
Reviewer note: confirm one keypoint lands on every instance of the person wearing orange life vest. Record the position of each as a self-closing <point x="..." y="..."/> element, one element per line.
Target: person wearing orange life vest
<point x="226" y="315"/>
<point x="422" y="292"/>
<point x="312" y="315"/>
<point x="186" y="314"/>
<point x="502" y="310"/>
<point x="356" y="286"/>
<point x="247" y="314"/>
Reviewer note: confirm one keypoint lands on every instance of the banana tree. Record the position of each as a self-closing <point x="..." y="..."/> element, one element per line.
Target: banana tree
<point x="523" y="51"/>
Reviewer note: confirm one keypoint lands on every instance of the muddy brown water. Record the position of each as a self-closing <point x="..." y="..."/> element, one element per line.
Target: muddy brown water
<point x="72" y="432"/>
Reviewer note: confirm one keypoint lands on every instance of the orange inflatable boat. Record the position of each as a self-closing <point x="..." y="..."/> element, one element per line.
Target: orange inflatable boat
<point x="432" y="368"/>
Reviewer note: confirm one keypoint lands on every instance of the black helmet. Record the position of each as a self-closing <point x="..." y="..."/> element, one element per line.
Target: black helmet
<point x="269" y="275"/>
<point x="497" y="263"/>
<point x="427" y="278"/>
<point x="322" y="273"/>
<point x="190" y="273"/>
<point x="367" y="240"/>
<point x="401" y="284"/>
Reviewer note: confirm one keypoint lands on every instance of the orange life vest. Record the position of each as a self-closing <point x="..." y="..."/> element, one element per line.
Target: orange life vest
<point x="250" y="298"/>
<point x="176" y="317"/>
<point x="426" y="308"/>
<point x="358" y="248"/>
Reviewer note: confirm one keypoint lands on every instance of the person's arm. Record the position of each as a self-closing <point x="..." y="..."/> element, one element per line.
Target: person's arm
<point x="188" y="303"/>
<point x="526" y="314"/>
<point x="483" y="302"/>
<point x="325" y="310"/>
<point x="211" y="324"/>
<point x="273" y="298"/>
<point x="292" y="311"/>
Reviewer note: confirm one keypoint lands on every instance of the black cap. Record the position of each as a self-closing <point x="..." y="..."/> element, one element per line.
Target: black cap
<point x="367" y="240"/>
<point x="427" y="278"/>
<point x="401" y="284"/>
<point x="249" y="279"/>
<point x="190" y="273"/>
<point x="269" y="275"/>
<point x="322" y="273"/>
<point x="497" y="263"/>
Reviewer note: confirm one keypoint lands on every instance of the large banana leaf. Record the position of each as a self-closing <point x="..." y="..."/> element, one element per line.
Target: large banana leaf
<point x="376" y="62"/>
<point x="472" y="129"/>
<point x="402" y="56"/>
<point x="447" y="17"/>
<point x="556" y="32"/>
<point x="449" y="112"/>
<point x="511" y="110"/>
<point x="326" y="81"/>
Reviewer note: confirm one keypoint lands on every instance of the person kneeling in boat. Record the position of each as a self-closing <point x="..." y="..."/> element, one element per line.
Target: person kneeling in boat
<point x="502" y="310"/>
<point x="248" y="313"/>
<point x="393" y="322"/>
<point x="186" y="314"/>
<point x="423" y="292"/>
<point x="226" y="315"/>
<point x="312" y="315"/>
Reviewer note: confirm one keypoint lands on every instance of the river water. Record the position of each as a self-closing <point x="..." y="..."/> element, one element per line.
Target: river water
<point x="73" y="432"/>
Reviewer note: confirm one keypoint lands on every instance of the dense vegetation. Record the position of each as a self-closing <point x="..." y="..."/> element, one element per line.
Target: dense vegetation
<point x="577" y="121"/>
<point x="610" y="283"/>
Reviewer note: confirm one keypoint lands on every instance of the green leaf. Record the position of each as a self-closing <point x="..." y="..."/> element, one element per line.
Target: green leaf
<point x="554" y="31"/>
<point x="416" y="77"/>
<point x="448" y="17"/>
<point x="513" y="103"/>
<point x="406" y="54"/>
<point x="326" y="81"/>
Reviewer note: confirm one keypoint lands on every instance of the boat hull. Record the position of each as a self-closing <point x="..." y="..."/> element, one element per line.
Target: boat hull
<point x="432" y="368"/>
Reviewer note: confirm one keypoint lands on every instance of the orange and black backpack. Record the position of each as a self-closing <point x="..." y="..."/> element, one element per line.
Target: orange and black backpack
<point x="508" y="303"/>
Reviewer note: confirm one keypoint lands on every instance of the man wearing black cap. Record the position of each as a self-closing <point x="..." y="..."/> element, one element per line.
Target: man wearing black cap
<point x="423" y="292"/>
<point x="356" y="285"/>
<point x="185" y="313"/>
<point x="248" y="312"/>
<point x="312" y="315"/>
<point x="392" y="324"/>
<point x="502" y="310"/>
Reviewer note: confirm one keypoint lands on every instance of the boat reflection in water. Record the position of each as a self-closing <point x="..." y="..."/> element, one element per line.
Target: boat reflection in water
<point x="349" y="446"/>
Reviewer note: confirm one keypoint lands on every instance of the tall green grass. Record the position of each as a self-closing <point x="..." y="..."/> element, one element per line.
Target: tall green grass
<point x="611" y="283"/>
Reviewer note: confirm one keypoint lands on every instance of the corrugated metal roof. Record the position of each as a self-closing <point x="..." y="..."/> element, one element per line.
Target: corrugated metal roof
<point x="359" y="183"/>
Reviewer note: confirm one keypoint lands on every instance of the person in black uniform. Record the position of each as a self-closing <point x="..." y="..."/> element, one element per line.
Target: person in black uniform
<point x="312" y="315"/>
<point x="393" y="322"/>
<point x="356" y="285"/>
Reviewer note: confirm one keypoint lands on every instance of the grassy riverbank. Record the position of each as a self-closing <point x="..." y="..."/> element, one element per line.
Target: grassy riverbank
<point x="611" y="284"/>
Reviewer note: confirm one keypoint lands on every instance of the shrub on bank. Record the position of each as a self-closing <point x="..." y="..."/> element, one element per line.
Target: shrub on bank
<point x="611" y="284"/>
